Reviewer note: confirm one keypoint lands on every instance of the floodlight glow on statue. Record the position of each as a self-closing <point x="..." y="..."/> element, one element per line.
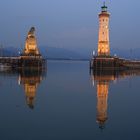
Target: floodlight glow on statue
<point x="31" y="43"/>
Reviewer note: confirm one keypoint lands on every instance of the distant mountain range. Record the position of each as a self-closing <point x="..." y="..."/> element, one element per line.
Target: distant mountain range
<point x="48" y="52"/>
<point x="127" y="53"/>
<point x="9" y="51"/>
<point x="62" y="53"/>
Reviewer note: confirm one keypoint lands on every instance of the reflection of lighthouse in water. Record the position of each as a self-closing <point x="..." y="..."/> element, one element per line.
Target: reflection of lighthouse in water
<point x="102" y="98"/>
<point x="102" y="83"/>
<point x="102" y="79"/>
<point x="30" y="82"/>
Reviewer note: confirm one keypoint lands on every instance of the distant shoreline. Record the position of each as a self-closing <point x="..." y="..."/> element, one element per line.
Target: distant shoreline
<point x="66" y="59"/>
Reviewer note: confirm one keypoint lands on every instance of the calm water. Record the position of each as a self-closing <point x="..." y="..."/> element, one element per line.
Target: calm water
<point x="69" y="103"/>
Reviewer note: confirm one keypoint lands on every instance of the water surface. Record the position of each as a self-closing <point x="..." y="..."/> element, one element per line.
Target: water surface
<point x="69" y="103"/>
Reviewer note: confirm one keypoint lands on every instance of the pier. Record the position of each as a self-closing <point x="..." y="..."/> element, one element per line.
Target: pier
<point x="29" y="58"/>
<point x="103" y="59"/>
<point x="114" y="63"/>
<point x="19" y="62"/>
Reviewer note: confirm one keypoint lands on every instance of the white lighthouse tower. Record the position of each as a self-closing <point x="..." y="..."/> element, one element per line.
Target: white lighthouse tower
<point x="103" y="40"/>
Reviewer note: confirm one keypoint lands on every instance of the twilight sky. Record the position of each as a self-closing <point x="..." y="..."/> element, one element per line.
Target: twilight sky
<point x="71" y="24"/>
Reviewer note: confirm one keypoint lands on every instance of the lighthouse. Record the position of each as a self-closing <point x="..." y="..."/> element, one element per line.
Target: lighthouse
<point x="103" y="39"/>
